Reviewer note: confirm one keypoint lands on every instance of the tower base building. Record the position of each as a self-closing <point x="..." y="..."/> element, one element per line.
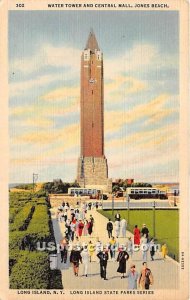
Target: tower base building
<point x="93" y="173"/>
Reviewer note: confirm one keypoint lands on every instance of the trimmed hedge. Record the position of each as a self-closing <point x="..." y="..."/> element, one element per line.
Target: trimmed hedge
<point x="29" y="268"/>
<point x="15" y="239"/>
<point x="12" y="213"/>
<point x="31" y="271"/>
<point x="41" y="201"/>
<point x="14" y="256"/>
<point x="55" y="280"/>
<point x="39" y="229"/>
<point x="40" y="193"/>
<point x="23" y="218"/>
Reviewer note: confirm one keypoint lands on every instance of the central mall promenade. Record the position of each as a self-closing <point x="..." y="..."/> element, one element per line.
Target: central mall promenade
<point x="166" y="274"/>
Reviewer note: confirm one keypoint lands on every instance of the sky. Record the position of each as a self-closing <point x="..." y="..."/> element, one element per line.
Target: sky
<point x="141" y="93"/>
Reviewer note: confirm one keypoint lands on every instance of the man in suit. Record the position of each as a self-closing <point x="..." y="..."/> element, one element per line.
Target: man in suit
<point x="103" y="257"/>
<point x="109" y="228"/>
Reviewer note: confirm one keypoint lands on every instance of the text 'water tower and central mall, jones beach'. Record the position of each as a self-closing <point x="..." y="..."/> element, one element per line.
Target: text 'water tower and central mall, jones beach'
<point x="92" y="169"/>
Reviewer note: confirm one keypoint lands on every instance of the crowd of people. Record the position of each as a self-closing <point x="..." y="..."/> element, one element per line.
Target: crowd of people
<point x="75" y="250"/>
<point x="76" y="222"/>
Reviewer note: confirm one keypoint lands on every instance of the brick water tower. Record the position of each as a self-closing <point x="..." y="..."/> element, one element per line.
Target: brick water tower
<point x="92" y="164"/>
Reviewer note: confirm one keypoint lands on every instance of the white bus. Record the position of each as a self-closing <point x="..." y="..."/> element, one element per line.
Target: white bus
<point x="145" y="193"/>
<point x="75" y="191"/>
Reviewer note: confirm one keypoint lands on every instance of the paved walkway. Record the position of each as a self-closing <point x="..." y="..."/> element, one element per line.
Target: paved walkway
<point x="166" y="274"/>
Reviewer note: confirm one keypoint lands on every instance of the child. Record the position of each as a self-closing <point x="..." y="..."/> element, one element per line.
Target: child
<point x="91" y="250"/>
<point x="164" y="250"/>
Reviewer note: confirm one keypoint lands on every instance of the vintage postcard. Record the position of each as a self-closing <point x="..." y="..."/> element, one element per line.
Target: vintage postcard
<point x="94" y="149"/>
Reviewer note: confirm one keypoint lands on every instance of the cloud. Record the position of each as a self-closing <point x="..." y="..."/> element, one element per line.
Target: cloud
<point x="68" y="136"/>
<point x="44" y="161"/>
<point x="137" y="59"/>
<point x="46" y="148"/>
<point x="48" y="55"/>
<point x="121" y="86"/>
<point x="114" y="120"/>
<point x="21" y="87"/>
<point x="67" y="59"/>
<point x="149" y="139"/>
<point x="44" y="111"/>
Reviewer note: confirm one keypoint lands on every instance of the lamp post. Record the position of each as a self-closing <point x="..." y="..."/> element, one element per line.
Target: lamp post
<point x="154" y="225"/>
<point x="102" y="196"/>
<point x="112" y="204"/>
<point x="34" y="177"/>
<point x="128" y="207"/>
<point x="175" y="194"/>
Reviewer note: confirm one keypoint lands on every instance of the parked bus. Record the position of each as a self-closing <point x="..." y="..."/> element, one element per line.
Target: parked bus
<point x="75" y="191"/>
<point x="145" y="193"/>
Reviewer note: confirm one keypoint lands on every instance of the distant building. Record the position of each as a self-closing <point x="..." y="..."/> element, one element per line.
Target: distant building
<point x="128" y="181"/>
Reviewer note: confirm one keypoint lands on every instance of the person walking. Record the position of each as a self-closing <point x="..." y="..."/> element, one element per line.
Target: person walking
<point x="75" y="258"/>
<point x="144" y="247"/>
<point x="77" y="213"/>
<point x="80" y="228"/>
<point x="73" y="229"/>
<point x="112" y="246"/>
<point x="85" y="229"/>
<point x="123" y="225"/>
<point x="117" y="216"/>
<point x="91" y="250"/>
<point x="65" y="215"/>
<point x="85" y="260"/>
<point x="92" y="220"/>
<point x="137" y="235"/>
<point x="90" y="225"/>
<point x="130" y="247"/>
<point x="103" y="257"/>
<point x="132" y="276"/>
<point x="145" y="231"/>
<point x="72" y="216"/>
<point x="98" y="246"/>
<point x="117" y="228"/>
<point x="64" y="250"/>
<point x="68" y="233"/>
<point x="152" y="249"/>
<point x="109" y="228"/>
<point x="122" y="258"/>
<point x="164" y="250"/>
<point x="145" y="278"/>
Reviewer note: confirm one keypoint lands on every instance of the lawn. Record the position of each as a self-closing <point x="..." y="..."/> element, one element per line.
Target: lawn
<point x="166" y="225"/>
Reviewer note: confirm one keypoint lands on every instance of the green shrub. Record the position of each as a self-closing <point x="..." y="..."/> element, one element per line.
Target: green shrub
<point x="41" y="200"/>
<point x="41" y="193"/>
<point x="15" y="239"/>
<point x="13" y="212"/>
<point x="14" y="256"/>
<point x="38" y="228"/>
<point x="32" y="271"/>
<point x="55" y="279"/>
<point x="23" y="218"/>
<point x="25" y="186"/>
